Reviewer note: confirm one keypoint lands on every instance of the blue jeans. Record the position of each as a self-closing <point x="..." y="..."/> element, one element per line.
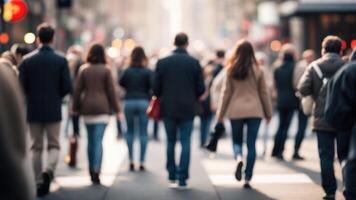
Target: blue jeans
<point x="95" y="147"/>
<point x="326" y="147"/>
<point x="285" y="118"/>
<point x="349" y="172"/>
<point x="205" y="123"/>
<point x="253" y="125"/>
<point x="184" y="127"/>
<point x="136" y="109"/>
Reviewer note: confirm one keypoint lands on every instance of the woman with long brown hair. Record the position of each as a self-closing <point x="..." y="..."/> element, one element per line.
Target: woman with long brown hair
<point x="245" y="101"/>
<point x="137" y="82"/>
<point x="94" y="98"/>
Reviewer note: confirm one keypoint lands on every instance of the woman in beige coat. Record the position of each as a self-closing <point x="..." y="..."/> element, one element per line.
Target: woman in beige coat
<point x="245" y="101"/>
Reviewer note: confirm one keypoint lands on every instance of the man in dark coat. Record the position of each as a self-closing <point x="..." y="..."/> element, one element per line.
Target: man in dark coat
<point x="46" y="80"/>
<point x="178" y="85"/>
<point x="312" y="84"/>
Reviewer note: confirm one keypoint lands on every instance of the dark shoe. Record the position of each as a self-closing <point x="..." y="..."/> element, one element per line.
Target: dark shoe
<point x="297" y="157"/>
<point x="95" y="179"/>
<point x="43" y="188"/>
<point x="329" y="197"/>
<point x="238" y="172"/>
<point x="182" y="185"/>
<point x="132" y="167"/>
<point x="247" y="185"/>
<point x="142" y="168"/>
<point x="279" y="157"/>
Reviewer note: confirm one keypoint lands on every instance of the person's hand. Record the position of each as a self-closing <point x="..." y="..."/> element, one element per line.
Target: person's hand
<point x="268" y="120"/>
<point x="220" y="119"/>
<point x="120" y="116"/>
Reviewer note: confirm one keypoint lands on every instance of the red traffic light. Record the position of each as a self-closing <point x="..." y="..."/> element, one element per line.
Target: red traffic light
<point x="15" y="10"/>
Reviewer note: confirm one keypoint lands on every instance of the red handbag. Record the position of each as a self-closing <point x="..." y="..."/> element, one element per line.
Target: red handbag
<point x="153" y="110"/>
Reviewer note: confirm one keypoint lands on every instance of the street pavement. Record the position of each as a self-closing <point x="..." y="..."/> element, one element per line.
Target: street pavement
<point x="211" y="176"/>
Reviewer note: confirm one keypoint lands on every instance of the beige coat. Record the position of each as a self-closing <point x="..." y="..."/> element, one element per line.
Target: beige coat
<point x="247" y="98"/>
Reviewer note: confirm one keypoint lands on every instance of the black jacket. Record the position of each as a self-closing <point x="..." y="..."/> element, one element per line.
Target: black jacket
<point x="137" y="82"/>
<point x="283" y="77"/>
<point x="46" y="80"/>
<point x="178" y="84"/>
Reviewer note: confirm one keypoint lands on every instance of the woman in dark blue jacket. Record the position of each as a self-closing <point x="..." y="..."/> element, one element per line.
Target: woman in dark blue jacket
<point x="137" y="82"/>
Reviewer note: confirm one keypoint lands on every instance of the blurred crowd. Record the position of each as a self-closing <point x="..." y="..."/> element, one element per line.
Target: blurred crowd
<point x="233" y="91"/>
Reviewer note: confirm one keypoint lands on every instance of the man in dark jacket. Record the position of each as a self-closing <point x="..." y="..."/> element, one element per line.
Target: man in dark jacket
<point x="341" y="113"/>
<point x="312" y="84"/>
<point x="46" y="80"/>
<point x="178" y="84"/>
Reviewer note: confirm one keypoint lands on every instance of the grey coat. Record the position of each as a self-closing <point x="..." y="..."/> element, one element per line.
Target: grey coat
<point x="310" y="84"/>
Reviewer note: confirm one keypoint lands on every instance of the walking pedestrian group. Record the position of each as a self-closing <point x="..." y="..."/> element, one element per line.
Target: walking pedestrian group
<point x="244" y="90"/>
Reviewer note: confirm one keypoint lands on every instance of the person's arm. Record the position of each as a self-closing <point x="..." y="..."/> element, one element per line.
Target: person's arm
<point x="110" y="91"/>
<point x="305" y="85"/>
<point x="199" y="84"/>
<point x="225" y="97"/>
<point x="79" y="86"/>
<point x="157" y="83"/>
<point x="66" y="83"/>
<point x="123" y="78"/>
<point x="264" y="96"/>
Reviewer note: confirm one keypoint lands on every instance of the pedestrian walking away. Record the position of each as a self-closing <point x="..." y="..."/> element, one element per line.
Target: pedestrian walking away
<point x="178" y="84"/>
<point x="137" y="82"/>
<point x="245" y="101"/>
<point x="94" y="99"/>
<point x="46" y="80"/>
<point x="312" y="84"/>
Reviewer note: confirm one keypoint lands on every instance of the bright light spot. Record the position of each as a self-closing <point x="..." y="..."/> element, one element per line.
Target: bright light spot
<point x="276" y="45"/>
<point x="29" y="38"/>
<point x="86" y="36"/>
<point x="4" y="38"/>
<point x="113" y="52"/>
<point x="129" y="44"/>
<point x="117" y="43"/>
<point x="353" y="44"/>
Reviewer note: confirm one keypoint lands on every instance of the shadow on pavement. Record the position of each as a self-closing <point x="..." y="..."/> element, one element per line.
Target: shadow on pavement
<point x="92" y="192"/>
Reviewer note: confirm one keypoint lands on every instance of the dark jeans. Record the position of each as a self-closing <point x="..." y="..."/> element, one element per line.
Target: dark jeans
<point x="302" y="126"/>
<point x="205" y="123"/>
<point x="285" y="118"/>
<point x="155" y="130"/>
<point x="253" y="124"/>
<point x="184" y="128"/>
<point x="326" y="147"/>
<point x="75" y="122"/>
<point x="95" y="146"/>
<point x="349" y="172"/>
<point x="136" y="109"/>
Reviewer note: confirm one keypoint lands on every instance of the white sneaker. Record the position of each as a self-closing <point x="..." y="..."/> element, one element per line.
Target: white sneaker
<point x="173" y="184"/>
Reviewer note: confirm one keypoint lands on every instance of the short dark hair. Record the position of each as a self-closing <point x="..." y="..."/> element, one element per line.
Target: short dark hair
<point x="220" y="53"/>
<point x="45" y="33"/>
<point x="332" y="44"/>
<point x="96" y="54"/>
<point x="181" y="39"/>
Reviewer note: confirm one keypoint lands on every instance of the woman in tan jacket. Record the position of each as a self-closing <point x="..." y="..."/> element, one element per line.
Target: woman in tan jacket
<point x="94" y="99"/>
<point x="245" y="101"/>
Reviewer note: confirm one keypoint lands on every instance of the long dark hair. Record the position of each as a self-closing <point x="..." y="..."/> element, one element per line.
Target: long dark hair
<point x="96" y="54"/>
<point x="138" y="57"/>
<point x="241" y="62"/>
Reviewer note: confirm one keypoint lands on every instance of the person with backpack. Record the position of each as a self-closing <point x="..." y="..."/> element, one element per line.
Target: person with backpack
<point x="245" y="101"/>
<point x="341" y="114"/>
<point x="313" y="83"/>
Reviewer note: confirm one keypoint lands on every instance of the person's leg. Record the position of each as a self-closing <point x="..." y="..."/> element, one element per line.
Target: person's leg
<point x="98" y="146"/>
<point x="171" y="131"/>
<point x="302" y="125"/>
<point x="253" y="126"/>
<point x="281" y="136"/>
<point x="237" y="126"/>
<point x="265" y="134"/>
<point x="53" y="130"/>
<point x="129" y="109"/>
<point x="349" y="172"/>
<point x="185" y="131"/>
<point x="90" y="148"/>
<point x="143" y="122"/>
<point x="205" y="122"/>
<point x="36" y="132"/>
<point x="326" y="147"/>
<point x="343" y="146"/>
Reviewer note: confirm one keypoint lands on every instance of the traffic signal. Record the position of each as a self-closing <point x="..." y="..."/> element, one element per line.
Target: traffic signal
<point x="64" y="3"/>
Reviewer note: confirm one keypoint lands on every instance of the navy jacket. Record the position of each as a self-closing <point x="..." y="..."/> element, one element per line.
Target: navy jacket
<point x="137" y="82"/>
<point x="178" y="84"/>
<point x="46" y="80"/>
<point x="283" y="77"/>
